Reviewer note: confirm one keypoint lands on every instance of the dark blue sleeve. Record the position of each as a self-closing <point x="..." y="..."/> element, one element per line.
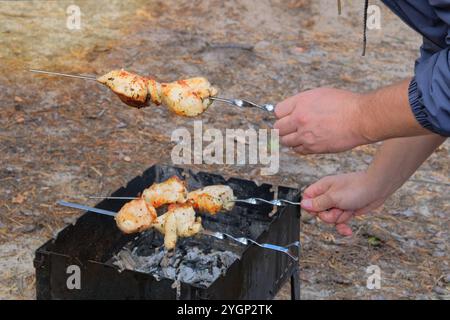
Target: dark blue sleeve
<point x="429" y="91"/>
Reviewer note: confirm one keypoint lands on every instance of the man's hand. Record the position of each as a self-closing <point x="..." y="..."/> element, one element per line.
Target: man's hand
<point x="347" y="195"/>
<point x="327" y="120"/>
<point x="322" y="120"/>
<point x="336" y="199"/>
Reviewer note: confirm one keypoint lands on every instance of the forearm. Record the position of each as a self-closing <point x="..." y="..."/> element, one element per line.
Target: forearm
<point x="386" y="113"/>
<point x="397" y="159"/>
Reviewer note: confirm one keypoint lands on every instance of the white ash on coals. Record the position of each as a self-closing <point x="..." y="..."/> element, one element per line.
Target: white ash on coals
<point x="190" y="265"/>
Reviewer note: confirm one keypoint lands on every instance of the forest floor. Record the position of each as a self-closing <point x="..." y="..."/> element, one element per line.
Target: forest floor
<point x="62" y="138"/>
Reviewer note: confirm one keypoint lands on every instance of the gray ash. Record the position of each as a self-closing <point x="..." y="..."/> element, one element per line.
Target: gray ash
<point x="192" y="262"/>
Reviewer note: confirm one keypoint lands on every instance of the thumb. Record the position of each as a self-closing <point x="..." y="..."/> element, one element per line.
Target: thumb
<point x="318" y="188"/>
<point x="318" y="204"/>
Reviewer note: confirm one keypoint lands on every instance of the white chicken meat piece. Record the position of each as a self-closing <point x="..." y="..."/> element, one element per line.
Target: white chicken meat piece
<point x="135" y="216"/>
<point x="178" y="221"/>
<point x="170" y="191"/>
<point x="131" y="88"/>
<point x="188" y="97"/>
<point x="212" y="199"/>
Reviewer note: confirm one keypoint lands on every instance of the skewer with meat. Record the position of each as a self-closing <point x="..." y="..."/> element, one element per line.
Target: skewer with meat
<point x="188" y="97"/>
<point x="212" y="199"/>
<point x="178" y="221"/>
<point x="173" y="190"/>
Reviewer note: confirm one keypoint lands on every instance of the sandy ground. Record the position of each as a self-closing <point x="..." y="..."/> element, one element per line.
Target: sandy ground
<point x="62" y="138"/>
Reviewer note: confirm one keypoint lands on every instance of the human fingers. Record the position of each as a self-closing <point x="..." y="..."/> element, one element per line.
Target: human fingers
<point x="320" y="203"/>
<point x="330" y="216"/>
<point x="285" y="107"/>
<point x="290" y="140"/>
<point x="344" y="230"/>
<point x="285" y="126"/>
<point x="344" y="217"/>
<point x="317" y="188"/>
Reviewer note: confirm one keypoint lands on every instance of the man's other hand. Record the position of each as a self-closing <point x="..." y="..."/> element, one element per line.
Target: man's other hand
<point x="336" y="199"/>
<point x="322" y="120"/>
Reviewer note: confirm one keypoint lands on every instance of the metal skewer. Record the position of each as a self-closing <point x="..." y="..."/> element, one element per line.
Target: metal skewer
<point x="245" y="104"/>
<point x="253" y="201"/>
<point x="64" y="74"/>
<point x="275" y="202"/>
<point x="113" y="198"/>
<point x="288" y="250"/>
<point x="86" y="208"/>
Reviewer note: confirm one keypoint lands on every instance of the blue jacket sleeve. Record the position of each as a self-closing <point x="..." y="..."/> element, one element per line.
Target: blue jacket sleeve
<point x="429" y="91"/>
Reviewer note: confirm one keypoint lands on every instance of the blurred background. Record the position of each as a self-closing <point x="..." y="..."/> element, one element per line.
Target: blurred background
<point x="62" y="138"/>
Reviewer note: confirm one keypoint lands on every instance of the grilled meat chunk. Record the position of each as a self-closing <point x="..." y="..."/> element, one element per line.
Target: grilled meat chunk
<point x="212" y="199"/>
<point x="188" y="97"/>
<point x="135" y="216"/>
<point x="178" y="221"/>
<point x="170" y="191"/>
<point x="131" y="88"/>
